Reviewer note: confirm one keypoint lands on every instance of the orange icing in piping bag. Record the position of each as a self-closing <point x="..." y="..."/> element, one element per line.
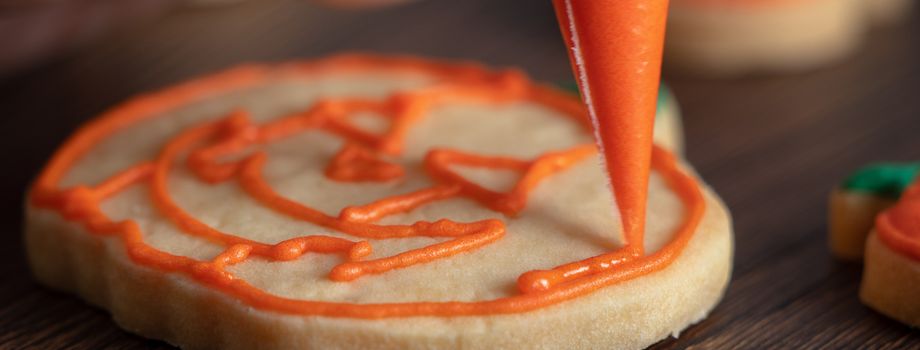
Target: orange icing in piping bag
<point x="230" y="149"/>
<point x="615" y="50"/>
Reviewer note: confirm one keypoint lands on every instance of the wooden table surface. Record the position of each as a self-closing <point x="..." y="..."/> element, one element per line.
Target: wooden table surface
<point x="772" y="147"/>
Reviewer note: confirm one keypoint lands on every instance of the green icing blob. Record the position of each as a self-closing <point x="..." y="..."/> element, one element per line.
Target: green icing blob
<point x="883" y="179"/>
<point x="664" y="93"/>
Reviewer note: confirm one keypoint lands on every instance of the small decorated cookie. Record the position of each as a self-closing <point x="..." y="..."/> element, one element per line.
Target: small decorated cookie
<point x="736" y="37"/>
<point x="856" y="202"/>
<point x="875" y="216"/>
<point x="365" y="202"/>
<point x="891" y="277"/>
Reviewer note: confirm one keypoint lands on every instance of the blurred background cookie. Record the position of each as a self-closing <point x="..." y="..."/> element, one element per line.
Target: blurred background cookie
<point x="891" y="278"/>
<point x="856" y="202"/>
<point x="874" y="216"/>
<point x="725" y="38"/>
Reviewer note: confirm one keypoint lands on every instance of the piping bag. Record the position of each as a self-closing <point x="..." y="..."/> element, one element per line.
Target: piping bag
<point x="615" y="48"/>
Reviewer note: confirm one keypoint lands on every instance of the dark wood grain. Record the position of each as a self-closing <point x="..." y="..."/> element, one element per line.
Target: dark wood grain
<point x="771" y="146"/>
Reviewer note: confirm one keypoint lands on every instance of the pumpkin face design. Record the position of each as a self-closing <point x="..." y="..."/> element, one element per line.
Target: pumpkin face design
<point x="364" y="187"/>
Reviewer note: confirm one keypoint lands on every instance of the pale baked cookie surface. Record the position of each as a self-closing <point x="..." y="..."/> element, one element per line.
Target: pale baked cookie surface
<point x="723" y="38"/>
<point x="891" y="282"/>
<point x="215" y="215"/>
<point x="891" y="278"/>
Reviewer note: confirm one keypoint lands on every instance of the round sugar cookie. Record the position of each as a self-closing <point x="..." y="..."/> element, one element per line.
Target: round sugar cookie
<point x="874" y="215"/>
<point x="366" y="202"/>
<point x="891" y="282"/>
<point x="724" y="38"/>
<point x="891" y="274"/>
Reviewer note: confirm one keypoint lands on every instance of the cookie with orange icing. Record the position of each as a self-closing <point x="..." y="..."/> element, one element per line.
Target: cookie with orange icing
<point x="877" y="211"/>
<point x="369" y="202"/>
<point x="891" y="278"/>
<point x="737" y="37"/>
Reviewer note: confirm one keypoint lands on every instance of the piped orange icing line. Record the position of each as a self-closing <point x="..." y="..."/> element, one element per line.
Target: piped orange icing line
<point x="397" y="204"/>
<point x="899" y="226"/>
<point x="227" y="149"/>
<point x="438" y="164"/>
<point x="354" y="163"/>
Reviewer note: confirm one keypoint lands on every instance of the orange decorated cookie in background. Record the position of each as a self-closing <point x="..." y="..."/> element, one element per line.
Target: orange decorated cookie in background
<point x="875" y="215"/>
<point x="370" y="202"/>
<point x="723" y="38"/>
<point x="891" y="279"/>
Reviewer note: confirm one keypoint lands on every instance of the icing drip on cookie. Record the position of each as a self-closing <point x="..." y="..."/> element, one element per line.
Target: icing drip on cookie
<point x="206" y="148"/>
<point x="899" y="226"/>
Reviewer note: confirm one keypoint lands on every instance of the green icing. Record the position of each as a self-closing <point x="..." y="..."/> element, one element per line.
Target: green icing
<point x="883" y="179"/>
<point x="664" y="93"/>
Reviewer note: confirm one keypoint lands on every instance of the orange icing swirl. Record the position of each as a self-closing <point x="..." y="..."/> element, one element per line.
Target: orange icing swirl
<point x="208" y="142"/>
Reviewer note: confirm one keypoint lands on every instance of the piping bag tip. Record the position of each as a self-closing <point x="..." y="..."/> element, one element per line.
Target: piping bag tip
<point x="615" y="49"/>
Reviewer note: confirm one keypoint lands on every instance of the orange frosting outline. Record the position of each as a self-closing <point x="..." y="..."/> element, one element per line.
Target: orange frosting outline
<point x="890" y="224"/>
<point x="81" y="203"/>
